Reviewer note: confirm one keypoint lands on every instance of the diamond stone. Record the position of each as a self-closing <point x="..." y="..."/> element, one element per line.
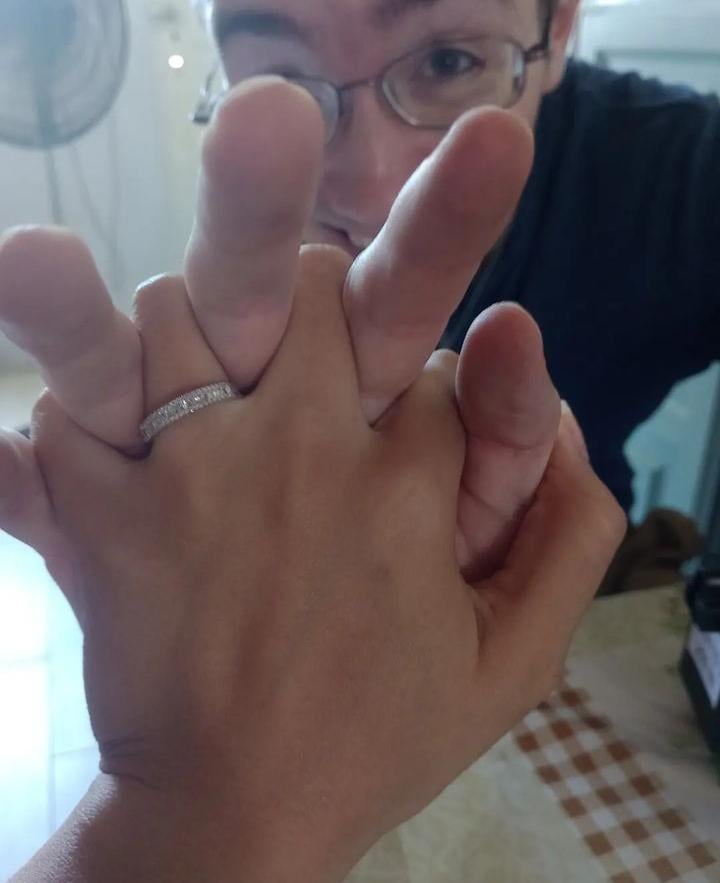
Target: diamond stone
<point x="184" y="405"/>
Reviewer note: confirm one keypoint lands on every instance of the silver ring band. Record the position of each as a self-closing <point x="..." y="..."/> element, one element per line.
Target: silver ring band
<point x="185" y="405"/>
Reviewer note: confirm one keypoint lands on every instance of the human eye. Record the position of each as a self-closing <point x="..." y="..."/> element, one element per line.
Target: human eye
<point x="440" y="63"/>
<point x="442" y="80"/>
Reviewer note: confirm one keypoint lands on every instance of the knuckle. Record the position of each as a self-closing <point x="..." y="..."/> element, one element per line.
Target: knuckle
<point x="609" y="519"/>
<point x="325" y="267"/>
<point x="154" y="296"/>
<point x="42" y="409"/>
<point x="440" y="388"/>
<point x="445" y="360"/>
<point x="434" y="394"/>
<point x="599" y="522"/>
<point x="616" y="519"/>
<point x="42" y="421"/>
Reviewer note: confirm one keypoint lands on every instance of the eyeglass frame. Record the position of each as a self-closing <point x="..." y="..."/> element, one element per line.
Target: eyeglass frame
<point x="207" y="103"/>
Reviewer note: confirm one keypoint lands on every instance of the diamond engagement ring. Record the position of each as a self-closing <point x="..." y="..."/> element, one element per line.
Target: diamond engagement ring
<point x="184" y="405"/>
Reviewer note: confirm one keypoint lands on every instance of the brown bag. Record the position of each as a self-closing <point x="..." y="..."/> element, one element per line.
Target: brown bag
<point x="653" y="552"/>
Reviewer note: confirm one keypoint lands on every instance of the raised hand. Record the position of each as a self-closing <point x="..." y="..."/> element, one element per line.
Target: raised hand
<point x="255" y="195"/>
<point x="283" y="660"/>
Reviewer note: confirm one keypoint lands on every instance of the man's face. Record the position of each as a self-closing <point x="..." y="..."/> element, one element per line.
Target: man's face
<point x="373" y="152"/>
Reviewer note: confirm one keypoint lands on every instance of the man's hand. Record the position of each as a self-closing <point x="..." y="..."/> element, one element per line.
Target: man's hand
<point x="283" y="660"/>
<point x="256" y="193"/>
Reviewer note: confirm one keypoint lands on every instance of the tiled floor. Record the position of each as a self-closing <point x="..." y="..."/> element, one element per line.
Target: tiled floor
<point x="47" y="753"/>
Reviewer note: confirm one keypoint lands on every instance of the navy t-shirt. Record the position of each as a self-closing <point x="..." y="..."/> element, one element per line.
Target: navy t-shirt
<point x="615" y="251"/>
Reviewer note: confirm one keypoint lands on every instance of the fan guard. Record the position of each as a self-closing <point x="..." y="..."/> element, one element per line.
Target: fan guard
<point x="62" y="63"/>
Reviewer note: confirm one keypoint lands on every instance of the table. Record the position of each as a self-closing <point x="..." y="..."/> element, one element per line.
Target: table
<point x="608" y="781"/>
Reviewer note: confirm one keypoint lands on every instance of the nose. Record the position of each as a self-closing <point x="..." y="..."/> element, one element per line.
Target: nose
<point x="367" y="163"/>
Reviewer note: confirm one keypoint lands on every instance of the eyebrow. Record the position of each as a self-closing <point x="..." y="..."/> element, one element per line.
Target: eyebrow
<point x="263" y="23"/>
<point x="258" y="23"/>
<point x="389" y="12"/>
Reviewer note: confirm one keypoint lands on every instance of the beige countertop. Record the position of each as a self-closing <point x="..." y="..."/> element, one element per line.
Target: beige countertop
<point x="609" y="781"/>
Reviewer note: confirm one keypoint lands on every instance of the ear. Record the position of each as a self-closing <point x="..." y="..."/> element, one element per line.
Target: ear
<point x="562" y="28"/>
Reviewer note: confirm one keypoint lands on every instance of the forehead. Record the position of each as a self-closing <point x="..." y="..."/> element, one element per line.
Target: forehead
<point x="327" y="18"/>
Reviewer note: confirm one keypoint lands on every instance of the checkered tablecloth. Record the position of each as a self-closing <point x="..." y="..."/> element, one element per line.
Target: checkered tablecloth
<point x="621" y="811"/>
<point x="608" y="782"/>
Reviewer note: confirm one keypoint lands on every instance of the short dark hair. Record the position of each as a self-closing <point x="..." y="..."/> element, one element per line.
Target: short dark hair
<point x="547" y="9"/>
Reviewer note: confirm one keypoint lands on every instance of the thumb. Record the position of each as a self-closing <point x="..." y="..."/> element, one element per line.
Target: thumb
<point x="554" y="568"/>
<point x="511" y="412"/>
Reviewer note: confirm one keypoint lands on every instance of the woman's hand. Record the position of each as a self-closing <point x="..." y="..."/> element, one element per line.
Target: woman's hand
<point x="256" y="193"/>
<point x="283" y="660"/>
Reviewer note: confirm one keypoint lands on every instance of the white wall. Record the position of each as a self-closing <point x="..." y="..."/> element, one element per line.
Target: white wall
<point x="139" y="163"/>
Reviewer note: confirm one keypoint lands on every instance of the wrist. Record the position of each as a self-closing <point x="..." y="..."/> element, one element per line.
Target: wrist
<point x="209" y="820"/>
<point x="123" y="830"/>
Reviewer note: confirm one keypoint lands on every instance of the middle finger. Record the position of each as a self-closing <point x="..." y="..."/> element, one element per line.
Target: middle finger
<point x="256" y="193"/>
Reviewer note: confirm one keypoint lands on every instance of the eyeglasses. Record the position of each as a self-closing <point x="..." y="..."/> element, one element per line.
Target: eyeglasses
<point x="428" y="88"/>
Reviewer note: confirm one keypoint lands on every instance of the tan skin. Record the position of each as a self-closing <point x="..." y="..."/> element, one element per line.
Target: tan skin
<point x="272" y="685"/>
<point x="398" y="297"/>
<point x="375" y="153"/>
<point x="167" y="633"/>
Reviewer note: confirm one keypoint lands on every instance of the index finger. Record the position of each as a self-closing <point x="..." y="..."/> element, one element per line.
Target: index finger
<point x="403" y="289"/>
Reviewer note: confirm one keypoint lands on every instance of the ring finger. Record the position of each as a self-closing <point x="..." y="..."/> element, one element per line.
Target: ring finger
<point x="176" y="358"/>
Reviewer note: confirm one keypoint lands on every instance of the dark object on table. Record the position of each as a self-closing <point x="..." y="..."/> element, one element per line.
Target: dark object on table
<point x="700" y="664"/>
<point x="652" y="553"/>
